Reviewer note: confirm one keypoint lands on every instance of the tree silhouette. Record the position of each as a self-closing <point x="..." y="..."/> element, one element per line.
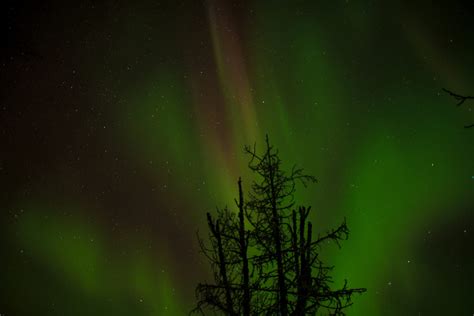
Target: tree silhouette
<point x="461" y="99"/>
<point x="263" y="257"/>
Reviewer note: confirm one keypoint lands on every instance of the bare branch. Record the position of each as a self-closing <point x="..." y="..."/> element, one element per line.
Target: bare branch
<point x="458" y="97"/>
<point x="461" y="99"/>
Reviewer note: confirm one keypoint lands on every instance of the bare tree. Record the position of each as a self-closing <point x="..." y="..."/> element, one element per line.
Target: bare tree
<point x="461" y="99"/>
<point x="264" y="259"/>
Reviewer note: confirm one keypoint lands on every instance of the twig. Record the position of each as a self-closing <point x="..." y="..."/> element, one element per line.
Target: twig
<point x="460" y="98"/>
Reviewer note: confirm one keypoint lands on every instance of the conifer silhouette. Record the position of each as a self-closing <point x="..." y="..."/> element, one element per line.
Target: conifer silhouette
<point x="264" y="258"/>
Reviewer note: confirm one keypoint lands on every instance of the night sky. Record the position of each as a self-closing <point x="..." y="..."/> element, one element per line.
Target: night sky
<point x="123" y="122"/>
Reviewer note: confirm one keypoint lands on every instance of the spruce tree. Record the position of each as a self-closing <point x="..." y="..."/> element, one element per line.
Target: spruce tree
<point x="263" y="255"/>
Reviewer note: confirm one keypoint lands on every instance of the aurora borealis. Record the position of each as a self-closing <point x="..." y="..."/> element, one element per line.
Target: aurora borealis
<point x="122" y="123"/>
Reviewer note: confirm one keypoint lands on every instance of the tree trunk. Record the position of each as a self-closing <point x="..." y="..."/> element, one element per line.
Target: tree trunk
<point x="282" y="291"/>
<point x="215" y="229"/>
<point x="243" y="253"/>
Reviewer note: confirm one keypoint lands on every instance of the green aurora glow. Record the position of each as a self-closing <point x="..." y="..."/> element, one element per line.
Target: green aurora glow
<point x="130" y="125"/>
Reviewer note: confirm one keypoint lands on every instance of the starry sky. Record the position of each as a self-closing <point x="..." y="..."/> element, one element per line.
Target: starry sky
<point x="123" y="122"/>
